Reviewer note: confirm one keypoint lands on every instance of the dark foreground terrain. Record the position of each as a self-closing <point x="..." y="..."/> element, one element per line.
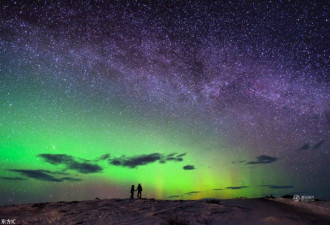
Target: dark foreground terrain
<point x="150" y="211"/>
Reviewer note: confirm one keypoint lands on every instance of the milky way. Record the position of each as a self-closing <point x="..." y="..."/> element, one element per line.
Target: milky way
<point x="192" y="99"/>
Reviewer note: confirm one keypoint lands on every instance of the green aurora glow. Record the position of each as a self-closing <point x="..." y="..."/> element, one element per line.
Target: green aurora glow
<point x="187" y="105"/>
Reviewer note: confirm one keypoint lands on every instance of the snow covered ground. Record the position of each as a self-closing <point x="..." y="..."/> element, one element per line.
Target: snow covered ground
<point x="151" y="211"/>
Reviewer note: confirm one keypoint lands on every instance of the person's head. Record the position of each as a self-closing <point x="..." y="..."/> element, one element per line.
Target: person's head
<point x="139" y="184"/>
<point x="132" y="186"/>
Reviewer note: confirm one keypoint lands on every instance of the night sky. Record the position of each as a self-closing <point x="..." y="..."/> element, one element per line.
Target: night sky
<point x="192" y="99"/>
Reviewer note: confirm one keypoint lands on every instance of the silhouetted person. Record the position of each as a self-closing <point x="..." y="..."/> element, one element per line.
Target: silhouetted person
<point x="139" y="190"/>
<point x="132" y="192"/>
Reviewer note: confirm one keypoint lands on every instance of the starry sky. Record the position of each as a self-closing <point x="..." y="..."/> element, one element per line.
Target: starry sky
<point x="192" y="99"/>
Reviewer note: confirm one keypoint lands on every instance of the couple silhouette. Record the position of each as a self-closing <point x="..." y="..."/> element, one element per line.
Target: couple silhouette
<point x="139" y="190"/>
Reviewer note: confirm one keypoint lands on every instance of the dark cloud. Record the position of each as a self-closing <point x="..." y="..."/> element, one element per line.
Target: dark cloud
<point x="70" y="179"/>
<point x="277" y="186"/>
<point x="263" y="159"/>
<point x="174" y="196"/>
<point x="37" y="174"/>
<point x="192" y="192"/>
<point x="56" y="159"/>
<point x="218" y="189"/>
<point x="172" y="157"/>
<point x="84" y="167"/>
<point x="135" y="161"/>
<point x="116" y="162"/>
<point x="314" y="147"/>
<point x="105" y="156"/>
<point x="59" y="173"/>
<point x="140" y="160"/>
<point x="318" y="145"/>
<point x="12" y="178"/>
<point x="71" y="163"/>
<point x="181" y="155"/>
<point x="237" y="187"/>
<point x="44" y="175"/>
<point x="304" y="147"/>
<point x="189" y="167"/>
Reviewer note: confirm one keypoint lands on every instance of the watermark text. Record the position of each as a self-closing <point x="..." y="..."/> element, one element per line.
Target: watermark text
<point x="8" y="221"/>
<point x="304" y="198"/>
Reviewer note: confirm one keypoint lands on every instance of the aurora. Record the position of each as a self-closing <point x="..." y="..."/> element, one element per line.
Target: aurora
<point x="193" y="101"/>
